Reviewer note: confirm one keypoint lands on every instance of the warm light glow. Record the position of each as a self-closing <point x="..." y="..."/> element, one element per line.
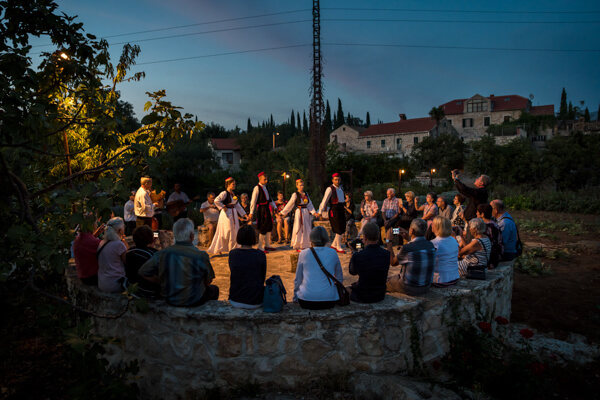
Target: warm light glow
<point x="287" y="176"/>
<point x="64" y="56"/>
<point x="433" y="171"/>
<point x="277" y="133"/>
<point x="402" y="171"/>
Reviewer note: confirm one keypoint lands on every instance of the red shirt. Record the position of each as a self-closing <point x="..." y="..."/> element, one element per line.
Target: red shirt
<point x="84" y="249"/>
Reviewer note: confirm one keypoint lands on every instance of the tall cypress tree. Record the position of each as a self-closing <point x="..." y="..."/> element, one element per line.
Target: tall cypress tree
<point x="327" y="122"/>
<point x="299" y="121"/>
<point x="305" y="123"/>
<point x="570" y="112"/>
<point x="562" y="111"/>
<point x="586" y="115"/>
<point x="293" y="121"/>
<point x="340" y="115"/>
<point x="272" y="123"/>
<point x="368" y="123"/>
<point x="249" y="127"/>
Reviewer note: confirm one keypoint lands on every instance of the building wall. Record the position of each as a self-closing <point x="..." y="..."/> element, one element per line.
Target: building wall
<point x="373" y="145"/>
<point x="346" y="137"/>
<point x="224" y="163"/>
<point x="479" y="128"/>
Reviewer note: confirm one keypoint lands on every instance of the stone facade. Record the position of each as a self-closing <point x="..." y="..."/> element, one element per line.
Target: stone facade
<point x="185" y="351"/>
<point x="346" y="137"/>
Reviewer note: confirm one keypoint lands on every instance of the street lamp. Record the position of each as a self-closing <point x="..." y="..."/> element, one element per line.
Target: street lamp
<point x="431" y="172"/>
<point x="400" y="172"/>
<point x="285" y="176"/>
<point x="274" y="134"/>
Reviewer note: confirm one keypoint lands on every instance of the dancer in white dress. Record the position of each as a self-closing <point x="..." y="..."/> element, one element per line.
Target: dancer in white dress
<point x="228" y="224"/>
<point x="302" y="222"/>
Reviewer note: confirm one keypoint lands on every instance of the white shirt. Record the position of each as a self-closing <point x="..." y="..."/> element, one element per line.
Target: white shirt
<point x="143" y="203"/>
<point x="128" y="214"/>
<point x="178" y="196"/>
<point x="212" y="214"/>
<point x="311" y="284"/>
<point x="340" y="195"/>
<point x="254" y="200"/>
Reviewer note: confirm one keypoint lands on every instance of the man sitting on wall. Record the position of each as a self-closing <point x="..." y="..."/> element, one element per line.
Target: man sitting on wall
<point x="417" y="258"/>
<point x="183" y="271"/>
<point x="508" y="228"/>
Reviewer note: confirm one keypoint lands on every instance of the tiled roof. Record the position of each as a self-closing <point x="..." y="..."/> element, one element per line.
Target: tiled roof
<point x="542" y="110"/>
<point x="499" y="103"/>
<point x="404" y="126"/>
<point x="224" y="144"/>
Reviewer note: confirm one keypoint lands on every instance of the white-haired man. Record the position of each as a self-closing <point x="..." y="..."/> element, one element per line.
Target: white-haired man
<point x="143" y="206"/>
<point x="390" y="212"/>
<point x="183" y="271"/>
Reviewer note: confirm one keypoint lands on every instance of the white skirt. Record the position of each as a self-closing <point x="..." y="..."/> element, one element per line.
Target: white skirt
<point x="225" y="235"/>
<point x="301" y="232"/>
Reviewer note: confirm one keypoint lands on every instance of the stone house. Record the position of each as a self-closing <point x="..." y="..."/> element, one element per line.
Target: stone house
<point x="227" y="151"/>
<point x="471" y="117"/>
<point x="346" y="137"/>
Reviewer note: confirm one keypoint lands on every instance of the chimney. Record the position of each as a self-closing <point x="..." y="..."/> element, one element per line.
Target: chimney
<point x="402" y="117"/>
<point x="491" y="95"/>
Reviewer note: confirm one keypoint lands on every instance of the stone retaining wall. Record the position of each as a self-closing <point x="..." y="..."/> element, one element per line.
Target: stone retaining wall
<point x="182" y="351"/>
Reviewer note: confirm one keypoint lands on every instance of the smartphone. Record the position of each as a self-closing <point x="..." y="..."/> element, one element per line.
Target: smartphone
<point x="358" y="246"/>
<point x="395" y="231"/>
<point x="155" y="234"/>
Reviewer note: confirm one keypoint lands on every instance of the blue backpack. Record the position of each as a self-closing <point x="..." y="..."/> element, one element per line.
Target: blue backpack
<point x="274" y="297"/>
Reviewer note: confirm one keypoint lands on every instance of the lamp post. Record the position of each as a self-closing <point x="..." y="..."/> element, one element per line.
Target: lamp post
<point x="400" y="172"/>
<point x="285" y="176"/>
<point x="274" y="134"/>
<point x="431" y="172"/>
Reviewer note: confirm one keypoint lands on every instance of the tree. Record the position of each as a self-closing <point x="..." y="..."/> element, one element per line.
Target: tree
<point x="368" y="123"/>
<point x="586" y="115"/>
<point x="571" y="111"/>
<point x="327" y="120"/>
<point x="562" y="111"/>
<point x="299" y="121"/>
<point x="304" y="124"/>
<point x="339" y="120"/>
<point x="249" y="126"/>
<point x="444" y="153"/>
<point x="437" y="114"/>
<point x="293" y="121"/>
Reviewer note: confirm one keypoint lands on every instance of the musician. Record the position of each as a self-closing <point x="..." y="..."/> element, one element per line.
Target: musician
<point x="334" y="197"/>
<point x="179" y="195"/>
<point x="211" y="215"/>
<point x="264" y="219"/>
<point x="143" y="205"/>
<point x="302" y="222"/>
<point x="158" y="198"/>
<point x="129" y="214"/>
<point x="228" y="225"/>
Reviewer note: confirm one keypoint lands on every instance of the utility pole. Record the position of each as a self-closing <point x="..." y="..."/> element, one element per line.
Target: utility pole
<point x="316" y="161"/>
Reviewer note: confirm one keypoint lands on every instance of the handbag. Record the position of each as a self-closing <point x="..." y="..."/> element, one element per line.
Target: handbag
<point x="274" y="297"/>
<point x="343" y="293"/>
<point x="478" y="271"/>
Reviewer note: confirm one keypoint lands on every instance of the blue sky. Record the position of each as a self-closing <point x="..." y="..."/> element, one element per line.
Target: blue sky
<point x="384" y="80"/>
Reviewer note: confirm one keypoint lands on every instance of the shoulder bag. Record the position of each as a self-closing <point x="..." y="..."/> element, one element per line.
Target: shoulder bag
<point x="343" y="293"/>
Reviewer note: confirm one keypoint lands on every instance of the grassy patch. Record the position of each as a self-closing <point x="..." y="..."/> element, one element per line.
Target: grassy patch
<point x="529" y="264"/>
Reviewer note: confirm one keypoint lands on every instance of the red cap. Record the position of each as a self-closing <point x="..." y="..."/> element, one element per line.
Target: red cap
<point x="336" y="175"/>
<point x="229" y="179"/>
<point x="299" y="179"/>
<point x="261" y="174"/>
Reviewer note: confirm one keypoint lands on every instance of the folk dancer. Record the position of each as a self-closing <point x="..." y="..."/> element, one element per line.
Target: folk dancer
<point x="228" y="224"/>
<point x="264" y="220"/>
<point x="302" y="222"/>
<point x="334" y="197"/>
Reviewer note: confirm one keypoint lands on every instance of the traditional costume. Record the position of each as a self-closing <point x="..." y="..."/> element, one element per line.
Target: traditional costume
<point x="228" y="224"/>
<point x="302" y="221"/>
<point x="264" y="219"/>
<point x="334" y="197"/>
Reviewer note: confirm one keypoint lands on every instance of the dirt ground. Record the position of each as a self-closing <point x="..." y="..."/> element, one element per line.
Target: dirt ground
<point x="568" y="300"/>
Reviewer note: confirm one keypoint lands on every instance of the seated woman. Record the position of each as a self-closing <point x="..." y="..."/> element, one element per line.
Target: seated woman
<point x="446" y="255"/>
<point x="484" y="211"/>
<point x="368" y="210"/>
<point x="477" y="252"/>
<point x="313" y="290"/>
<point x="111" y="256"/>
<point x="84" y="251"/>
<point x="143" y="237"/>
<point x="459" y="209"/>
<point x="349" y="214"/>
<point x="430" y="210"/>
<point x="248" y="269"/>
<point x="283" y="223"/>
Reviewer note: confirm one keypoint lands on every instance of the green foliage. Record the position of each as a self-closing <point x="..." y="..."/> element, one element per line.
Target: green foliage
<point x="444" y="153"/>
<point x="529" y="264"/>
<point x="528" y="198"/>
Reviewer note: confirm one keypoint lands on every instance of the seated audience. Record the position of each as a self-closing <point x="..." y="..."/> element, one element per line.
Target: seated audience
<point x="129" y="215"/>
<point x="248" y="270"/>
<point x="430" y="209"/>
<point x="143" y="237"/>
<point x="368" y="210"/>
<point x="507" y="227"/>
<point x="313" y="289"/>
<point x="390" y="212"/>
<point x="349" y="214"/>
<point x="409" y="210"/>
<point x="283" y="223"/>
<point x="477" y="252"/>
<point x="445" y="209"/>
<point x="417" y="258"/>
<point x="371" y="265"/>
<point x="446" y="255"/>
<point x="111" y="256"/>
<point x="493" y="232"/>
<point x="211" y="215"/>
<point x="85" y="247"/>
<point x="459" y="208"/>
<point x="183" y="271"/>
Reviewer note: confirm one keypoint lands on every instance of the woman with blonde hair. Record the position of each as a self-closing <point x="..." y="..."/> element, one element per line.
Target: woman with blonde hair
<point x="111" y="254"/>
<point x="446" y="255"/>
<point x="228" y="223"/>
<point x="302" y="223"/>
<point x="368" y="210"/>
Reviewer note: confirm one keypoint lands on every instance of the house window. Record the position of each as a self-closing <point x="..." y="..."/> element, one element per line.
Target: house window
<point x="334" y="138"/>
<point x="467" y="122"/>
<point x="344" y="128"/>
<point x="507" y="118"/>
<point x="444" y="124"/>
<point x="449" y="121"/>
<point x="399" y="144"/>
<point x="382" y="143"/>
<point x="477" y="105"/>
<point x="416" y="139"/>
<point x="368" y="144"/>
<point x="228" y="158"/>
<point x="486" y="121"/>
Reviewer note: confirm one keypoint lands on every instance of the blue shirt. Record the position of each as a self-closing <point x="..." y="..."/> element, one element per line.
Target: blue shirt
<point x="418" y="257"/>
<point x="182" y="270"/>
<point x="509" y="232"/>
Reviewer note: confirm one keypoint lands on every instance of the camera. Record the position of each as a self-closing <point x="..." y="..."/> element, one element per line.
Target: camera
<point x="395" y="231"/>
<point x="155" y="234"/>
<point x="356" y="245"/>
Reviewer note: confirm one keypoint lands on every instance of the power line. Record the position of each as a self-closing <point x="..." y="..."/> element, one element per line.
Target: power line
<point x="459" y="22"/>
<point x="461" y="47"/>
<point x="190" y="25"/>
<point x="459" y="11"/>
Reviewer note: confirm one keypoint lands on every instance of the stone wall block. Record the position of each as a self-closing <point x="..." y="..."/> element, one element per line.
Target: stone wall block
<point x="292" y="365"/>
<point x="201" y="356"/>
<point x="370" y="343"/>
<point x="228" y="345"/>
<point x="433" y="319"/>
<point x="348" y="343"/>
<point x="249" y="351"/>
<point x="391" y="365"/>
<point x="429" y="346"/>
<point x="314" y="349"/>
<point x="138" y="322"/>
<point x="393" y="337"/>
<point x="335" y="362"/>
<point x="308" y="330"/>
<point x="332" y="336"/>
<point x="182" y="346"/>
<point x="288" y="345"/>
<point x="268" y="343"/>
<point x="151" y="346"/>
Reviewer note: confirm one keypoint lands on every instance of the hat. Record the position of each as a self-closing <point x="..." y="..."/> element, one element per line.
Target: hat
<point x="299" y="180"/>
<point x="261" y="174"/>
<point x="229" y="179"/>
<point x="336" y="175"/>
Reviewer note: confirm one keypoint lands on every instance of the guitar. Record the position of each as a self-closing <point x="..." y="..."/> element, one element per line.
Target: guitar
<point x="174" y="208"/>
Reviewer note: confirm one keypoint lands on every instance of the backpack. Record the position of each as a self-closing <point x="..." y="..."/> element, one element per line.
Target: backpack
<point x="274" y="297"/>
<point x="519" y="244"/>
